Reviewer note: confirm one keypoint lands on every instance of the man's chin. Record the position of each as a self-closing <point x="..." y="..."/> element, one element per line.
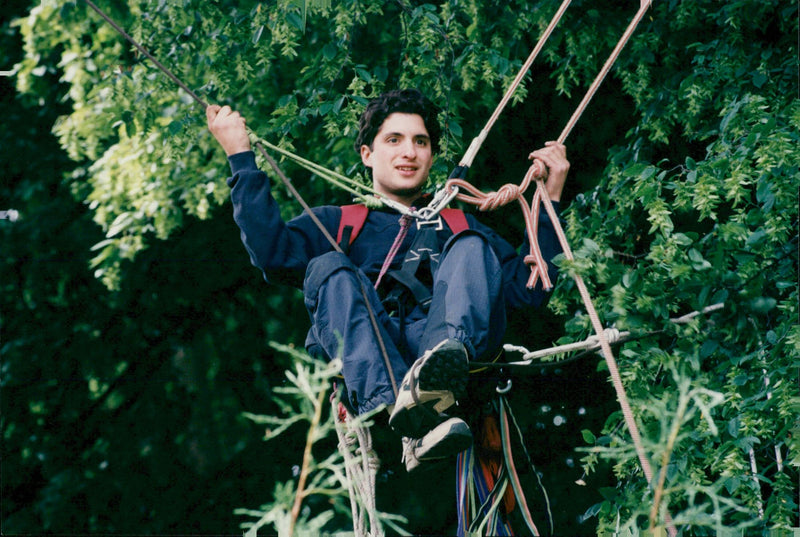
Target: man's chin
<point x="409" y="194"/>
<point x="406" y="192"/>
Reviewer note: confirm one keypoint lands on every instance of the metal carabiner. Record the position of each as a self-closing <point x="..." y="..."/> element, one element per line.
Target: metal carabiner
<point x="505" y="389"/>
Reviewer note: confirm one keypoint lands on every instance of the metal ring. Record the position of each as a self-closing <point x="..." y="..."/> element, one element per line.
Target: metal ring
<point x="505" y="389"/>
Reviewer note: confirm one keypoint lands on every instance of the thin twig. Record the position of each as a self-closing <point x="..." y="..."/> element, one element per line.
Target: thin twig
<point x="665" y="458"/>
<point x="306" y="468"/>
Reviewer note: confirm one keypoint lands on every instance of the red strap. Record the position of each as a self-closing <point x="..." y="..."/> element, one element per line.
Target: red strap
<point x="354" y="216"/>
<point x="456" y="220"/>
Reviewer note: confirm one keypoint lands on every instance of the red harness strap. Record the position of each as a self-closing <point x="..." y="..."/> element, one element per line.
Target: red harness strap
<point x="354" y="216"/>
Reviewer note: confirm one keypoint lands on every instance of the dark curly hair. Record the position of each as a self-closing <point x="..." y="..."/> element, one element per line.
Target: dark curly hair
<point x="406" y="101"/>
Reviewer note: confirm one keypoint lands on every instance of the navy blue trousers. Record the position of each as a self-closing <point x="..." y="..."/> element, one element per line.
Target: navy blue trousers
<point x="467" y="304"/>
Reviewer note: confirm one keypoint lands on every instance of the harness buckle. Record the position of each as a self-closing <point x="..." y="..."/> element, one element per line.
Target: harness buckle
<point x="438" y="223"/>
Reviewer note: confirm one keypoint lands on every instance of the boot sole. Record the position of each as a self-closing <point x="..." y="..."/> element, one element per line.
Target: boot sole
<point x="442" y="380"/>
<point x="446" y="444"/>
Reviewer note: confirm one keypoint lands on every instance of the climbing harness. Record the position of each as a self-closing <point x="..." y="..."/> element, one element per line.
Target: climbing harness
<point x="354" y="216"/>
<point x="409" y="284"/>
<point x="425" y="247"/>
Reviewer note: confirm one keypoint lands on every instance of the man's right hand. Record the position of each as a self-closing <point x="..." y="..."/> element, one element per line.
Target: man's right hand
<point x="228" y="127"/>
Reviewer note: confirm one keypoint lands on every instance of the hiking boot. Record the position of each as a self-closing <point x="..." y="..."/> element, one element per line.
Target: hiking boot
<point x="432" y="385"/>
<point x="444" y="441"/>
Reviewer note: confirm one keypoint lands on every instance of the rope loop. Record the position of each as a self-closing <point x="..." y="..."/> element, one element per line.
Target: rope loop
<point x="537" y="170"/>
<point x="612" y="336"/>
<point x="507" y="193"/>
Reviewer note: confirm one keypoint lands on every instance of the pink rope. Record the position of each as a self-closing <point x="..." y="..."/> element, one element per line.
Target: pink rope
<point x="539" y="268"/>
<point x="469" y="156"/>
<point x="405" y="223"/>
<point x="504" y="196"/>
<point x="643" y="5"/>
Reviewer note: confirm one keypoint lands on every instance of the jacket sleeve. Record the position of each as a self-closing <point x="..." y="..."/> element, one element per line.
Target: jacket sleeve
<point x="282" y="250"/>
<point x="516" y="273"/>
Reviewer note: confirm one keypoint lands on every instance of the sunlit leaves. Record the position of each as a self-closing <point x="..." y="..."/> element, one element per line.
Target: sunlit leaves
<point x="722" y="229"/>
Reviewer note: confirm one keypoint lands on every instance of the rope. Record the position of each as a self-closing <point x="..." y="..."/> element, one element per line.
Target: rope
<point x="285" y="180"/>
<point x="144" y="51"/>
<point x="511" y="468"/>
<point x="339" y="180"/>
<point x="535" y="472"/>
<point x="469" y="156"/>
<point x="643" y="5"/>
<point x="538" y="267"/>
<point x="507" y="194"/>
<point x="591" y="343"/>
<point x="11" y="215"/>
<point x="608" y="355"/>
<point x="361" y="468"/>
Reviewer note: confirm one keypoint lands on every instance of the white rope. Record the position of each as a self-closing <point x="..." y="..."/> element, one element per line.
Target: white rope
<point x="593" y="342"/>
<point x="361" y="468"/>
<point x="590" y="343"/>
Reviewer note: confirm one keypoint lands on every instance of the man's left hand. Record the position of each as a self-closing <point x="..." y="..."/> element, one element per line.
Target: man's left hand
<point x="554" y="156"/>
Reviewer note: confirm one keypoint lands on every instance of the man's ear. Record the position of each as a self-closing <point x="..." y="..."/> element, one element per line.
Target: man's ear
<point x="366" y="156"/>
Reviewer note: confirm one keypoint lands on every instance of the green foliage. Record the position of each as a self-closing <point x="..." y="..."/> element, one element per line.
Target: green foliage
<point x="115" y="405"/>
<point x="721" y="230"/>
<point x="695" y="205"/>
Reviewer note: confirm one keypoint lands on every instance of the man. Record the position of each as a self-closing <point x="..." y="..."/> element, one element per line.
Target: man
<point x="470" y="277"/>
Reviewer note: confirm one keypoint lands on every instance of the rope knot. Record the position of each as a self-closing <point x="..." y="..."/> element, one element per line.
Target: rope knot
<point x="612" y="336"/>
<point x="507" y="193"/>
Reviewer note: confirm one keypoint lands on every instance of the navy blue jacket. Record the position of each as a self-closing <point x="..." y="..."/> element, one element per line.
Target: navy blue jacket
<point x="282" y="250"/>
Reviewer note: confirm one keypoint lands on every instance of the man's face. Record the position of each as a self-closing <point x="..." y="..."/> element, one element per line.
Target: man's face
<point x="400" y="157"/>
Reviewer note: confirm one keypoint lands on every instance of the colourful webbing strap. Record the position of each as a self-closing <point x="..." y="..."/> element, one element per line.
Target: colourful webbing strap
<point x="477" y="501"/>
<point x="511" y="468"/>
<point x="462" y="480"/>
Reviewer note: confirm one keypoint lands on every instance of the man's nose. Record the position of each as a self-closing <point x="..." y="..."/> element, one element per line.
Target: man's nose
<point x="410" y="149"/>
